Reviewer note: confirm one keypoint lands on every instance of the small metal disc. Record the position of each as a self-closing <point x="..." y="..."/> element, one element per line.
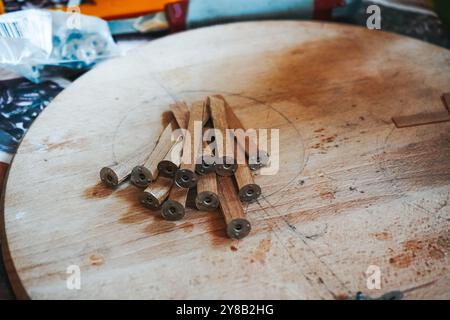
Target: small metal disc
<point x="172" y="210"/>
<point x="238" y="228"/>
<point x="185" y="178"/>
<point x="227" y="168"/>
<point x="207" y="201"/>
<point x="109" y="177"/>
<point x="249" y="192"/>
<point x="148" y="200"/>
<point x="140" y="177"/>
<point x="167" y="168"/>
<point x="256" y="162"/>
<point x="204" y="168"/>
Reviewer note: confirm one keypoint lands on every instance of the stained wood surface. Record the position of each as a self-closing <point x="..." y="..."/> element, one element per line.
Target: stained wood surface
<point x="352" y="190"/>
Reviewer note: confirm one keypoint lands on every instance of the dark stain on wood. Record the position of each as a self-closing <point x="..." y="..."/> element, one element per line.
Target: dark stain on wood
<point x="218" y="232"/>
<point x="187" y="227"/>
<point x="321" y="82"/>
<point x="262" y="249"/>
<point x="159" y="227"/>
<point x="341" y="296"/>
<point x="383" y="236"/>
<point x="433" y="248"/>
<point x="67" y="143"/>
<point x="329" y="139"/>
<point x="402" y="260"/>
<point x="97" y="191"/>
<point x="135" y="213"/>
<point x="327" y="195"/>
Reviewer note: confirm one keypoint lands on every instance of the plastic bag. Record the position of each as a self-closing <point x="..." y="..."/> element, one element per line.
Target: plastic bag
<point x="33" y="39"/>
<point x="20" y="103"/>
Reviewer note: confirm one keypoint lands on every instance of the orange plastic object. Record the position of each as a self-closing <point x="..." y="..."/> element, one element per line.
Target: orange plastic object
<point x="118" y="9"/>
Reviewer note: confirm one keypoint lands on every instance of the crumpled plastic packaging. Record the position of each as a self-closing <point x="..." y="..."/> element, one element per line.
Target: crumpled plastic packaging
<point x="33" y="39"/>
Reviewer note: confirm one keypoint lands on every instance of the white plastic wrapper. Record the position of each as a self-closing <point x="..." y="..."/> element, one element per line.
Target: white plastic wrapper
<point x="33" y="39"/>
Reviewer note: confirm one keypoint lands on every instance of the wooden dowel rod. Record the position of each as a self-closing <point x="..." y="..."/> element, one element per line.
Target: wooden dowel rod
<point x="142" y="175"/>
<point x="180" y="112"/>
<point x="156" y="193"/>
<point x="186" y="176"/>
<point x="114" y="175"/>
<point x="174" y="207"/>
<point x="207" y="164"/>
<point x="260" y="157"/>
<point x="248" y="190"/>
<point x="237" y="225"/>
<point x="207" y="195"/>
<point x="169" y="165"/>
<point x="225" y="162"/>
<point x="172" y="160"/>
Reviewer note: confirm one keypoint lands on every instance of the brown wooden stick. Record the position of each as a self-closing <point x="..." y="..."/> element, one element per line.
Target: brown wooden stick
<point x="114" y="175"/>
<point x="156" y="193"/>
<point x="172" y="160"/>
<point x="174" y="207"/>
<point x="169" y="165"/>
<point x="207" y="164"/>
<point x="225" y="162"/>
<point x="237" y="225"/>
<point x="248" y="189"/>
<point x="421" y="119"/>
<point x="186" y="176"/>
<point x="207" y="195"/>
<point x="180" y="112"/>
<point x="260" y="157"/>
<point x="142" y="175"/>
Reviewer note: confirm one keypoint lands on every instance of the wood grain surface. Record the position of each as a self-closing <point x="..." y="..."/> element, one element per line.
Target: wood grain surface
<point x="352" y="189"/>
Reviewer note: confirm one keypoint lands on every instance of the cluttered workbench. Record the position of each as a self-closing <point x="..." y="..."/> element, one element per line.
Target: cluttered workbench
<point x="353" y="191"/>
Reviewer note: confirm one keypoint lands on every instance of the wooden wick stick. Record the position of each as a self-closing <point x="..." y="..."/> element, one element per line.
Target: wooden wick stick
<point x="156" y="193"/>
<point x="142" y="175"/>
<point x="186" y="176"/>
<point x="248" y="189"/>
<point x="174" y="207"/>
<point x="207" y="164"/>
<point x="207" y="195"/>
<point x="169" y="165"/>
<point x="180" y="112"/>
<point x="260" y="157"/>
<point x="114" y="175"/>
<point x="237" y="225"/>
<point x="225" y="162"/>
<point x="172" y="160"/>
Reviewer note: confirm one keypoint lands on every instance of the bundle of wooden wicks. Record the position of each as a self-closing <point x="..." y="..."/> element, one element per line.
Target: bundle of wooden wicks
<point x="167" y="172"/>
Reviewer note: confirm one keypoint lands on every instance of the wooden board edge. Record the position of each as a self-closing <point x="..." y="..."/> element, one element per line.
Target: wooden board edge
<point x="14" y="281"/>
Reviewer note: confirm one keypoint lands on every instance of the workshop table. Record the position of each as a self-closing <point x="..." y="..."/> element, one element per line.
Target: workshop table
<point x="353" y="192"/>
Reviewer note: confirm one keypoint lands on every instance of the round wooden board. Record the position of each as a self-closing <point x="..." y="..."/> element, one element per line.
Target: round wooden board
<point x="352" y="190"/>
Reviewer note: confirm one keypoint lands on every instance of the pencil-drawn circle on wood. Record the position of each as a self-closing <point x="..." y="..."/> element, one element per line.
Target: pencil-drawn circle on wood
<point x="354" y="204"/>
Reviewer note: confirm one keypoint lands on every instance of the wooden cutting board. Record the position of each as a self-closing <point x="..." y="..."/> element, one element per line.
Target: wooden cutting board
<point x="352" y="191"/>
